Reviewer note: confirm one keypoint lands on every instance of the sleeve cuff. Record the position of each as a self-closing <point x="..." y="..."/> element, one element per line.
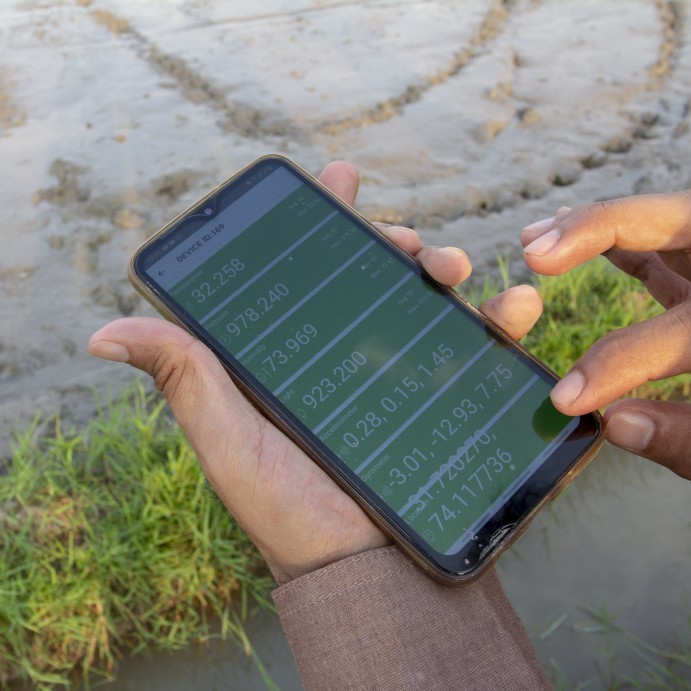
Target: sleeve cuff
<point x="376" y="621"/>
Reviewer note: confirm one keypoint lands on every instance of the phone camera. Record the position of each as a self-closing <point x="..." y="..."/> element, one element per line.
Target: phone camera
<point x="208" y="211"/>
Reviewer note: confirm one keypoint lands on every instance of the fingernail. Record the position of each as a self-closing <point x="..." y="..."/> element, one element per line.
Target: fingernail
<point x="107" y="350"/>
<point x="632" y="431"/>
<point x="539" y="226"/>
<point x="543" y="244"/>
<point x="568" y="389"/>
<point x="451" y="251"/>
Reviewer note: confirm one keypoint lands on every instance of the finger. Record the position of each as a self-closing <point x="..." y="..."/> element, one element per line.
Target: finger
<point x="640" y="224"/>
<point x="342" y="179"/>
<point x="621" y="360"/>
<point x="679" y="261"/>
<point x="406" y="238"/>
<point x="200" y="393"/>
<point x="515" y="310"/>
<point x="535" y="230"/>
<point x="654" y="430"/>
<point x="662" y="282"/>
<point x="448" y="265"/>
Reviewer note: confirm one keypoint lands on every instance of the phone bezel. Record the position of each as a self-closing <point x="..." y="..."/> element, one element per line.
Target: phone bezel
<point x="505" y="526"/>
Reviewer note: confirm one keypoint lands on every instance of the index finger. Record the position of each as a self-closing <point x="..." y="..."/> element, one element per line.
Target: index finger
<point x="650" y="223"/>
<point x="342" y="179"/>
<point x="624" y="359"/>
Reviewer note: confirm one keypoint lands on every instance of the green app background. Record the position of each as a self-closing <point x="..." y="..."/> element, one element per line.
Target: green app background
<point x="412" y="394"/>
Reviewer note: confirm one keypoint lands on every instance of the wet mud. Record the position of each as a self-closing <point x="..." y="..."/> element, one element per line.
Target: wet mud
<point x="467" y="120"/>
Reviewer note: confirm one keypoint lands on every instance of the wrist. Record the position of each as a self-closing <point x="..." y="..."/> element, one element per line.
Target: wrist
<point x="286" y="568"/>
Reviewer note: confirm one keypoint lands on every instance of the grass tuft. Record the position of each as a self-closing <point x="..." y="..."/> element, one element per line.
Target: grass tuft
<point x="113" y="542"/>
<point x="663" y="667"/>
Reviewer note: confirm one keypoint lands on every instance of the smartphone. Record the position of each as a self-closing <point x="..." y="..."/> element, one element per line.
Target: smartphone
<point x="430" y="416"/>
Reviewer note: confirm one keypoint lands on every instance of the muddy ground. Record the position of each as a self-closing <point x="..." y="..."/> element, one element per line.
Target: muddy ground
<point x="467" y="119"/>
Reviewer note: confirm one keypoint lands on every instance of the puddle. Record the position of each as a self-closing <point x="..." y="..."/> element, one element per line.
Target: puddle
<point x="618" y="538"/>
<point x="216" y="666"/>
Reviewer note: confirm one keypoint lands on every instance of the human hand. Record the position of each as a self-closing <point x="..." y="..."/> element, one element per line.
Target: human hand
<point x="649" y="238"/>
<point x="296" y="515"/>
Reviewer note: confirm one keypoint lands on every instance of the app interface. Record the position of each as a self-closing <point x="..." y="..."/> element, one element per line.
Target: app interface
<point x="438" y="418"/>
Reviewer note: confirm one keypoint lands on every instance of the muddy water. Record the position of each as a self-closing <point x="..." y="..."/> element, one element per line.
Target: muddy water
<point x="468" y="120"/>
<point x="216" y="666"/>
<point x="616" y="541"/>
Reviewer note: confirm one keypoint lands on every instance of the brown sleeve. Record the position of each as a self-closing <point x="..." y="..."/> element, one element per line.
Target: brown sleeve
<point x="375" y="621"/>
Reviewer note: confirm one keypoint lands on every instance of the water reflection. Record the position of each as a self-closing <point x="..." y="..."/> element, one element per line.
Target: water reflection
<point x="619" y="539"/>
<point x="218" y="666"/>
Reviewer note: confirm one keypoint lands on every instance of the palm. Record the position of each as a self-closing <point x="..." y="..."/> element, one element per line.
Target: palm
<point x="294" y="493"/>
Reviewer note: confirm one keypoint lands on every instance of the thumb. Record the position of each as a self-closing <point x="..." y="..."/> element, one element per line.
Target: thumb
<point x="653" y="429"/>
<point x="199" y="391"/>
<point x="179" y="364"/>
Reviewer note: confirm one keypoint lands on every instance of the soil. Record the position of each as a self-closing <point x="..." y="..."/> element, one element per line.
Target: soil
<point x="467" y="120"/>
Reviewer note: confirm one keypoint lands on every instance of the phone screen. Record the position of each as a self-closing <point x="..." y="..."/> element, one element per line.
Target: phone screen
<point x="439" y="423"/>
